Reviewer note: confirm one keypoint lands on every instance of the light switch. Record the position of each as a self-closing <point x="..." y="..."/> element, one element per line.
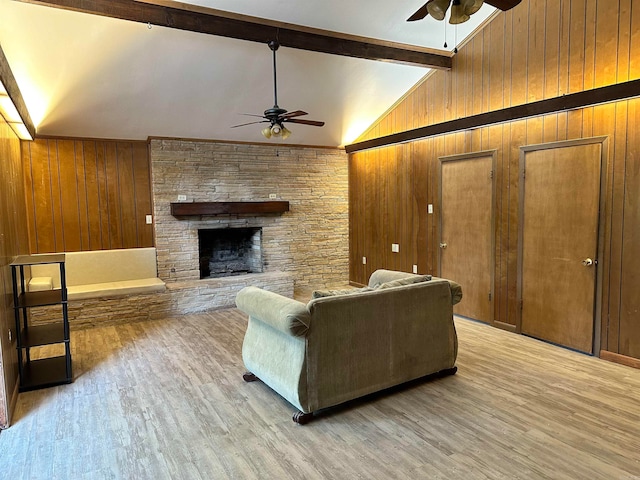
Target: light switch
<point x="415" y="269"/>
<point x="395" y="247"/>
<point x="149" y="219"/>
<point x="364" y="260"/>
<point x="430" y="208"/>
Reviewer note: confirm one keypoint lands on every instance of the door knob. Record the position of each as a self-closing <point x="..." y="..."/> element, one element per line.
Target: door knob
<point x="587" y="262"/>
<point x="443" y="245"/>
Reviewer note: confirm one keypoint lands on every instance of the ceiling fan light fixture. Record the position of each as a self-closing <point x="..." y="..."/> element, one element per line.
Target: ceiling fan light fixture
<point x="472" y="6"/>
<point x="266" y="132"/>
<point x="276" y="130"/>
<point x="438" y="8"/>
<point x="458" y="14"/>
<point x="286" y="133"/>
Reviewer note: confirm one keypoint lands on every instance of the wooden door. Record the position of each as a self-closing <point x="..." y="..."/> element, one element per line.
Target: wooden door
<point x="559" y="218"/>
<point x="466" y="233"/>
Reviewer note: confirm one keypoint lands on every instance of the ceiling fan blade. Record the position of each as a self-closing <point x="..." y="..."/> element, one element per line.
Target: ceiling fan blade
<point x="503" y="4"/>
<point x="250" y="123"/>
<point x="420" y="14"/>
<point x="252" y="115"/>
<point x="297" y="113"/>
<point x="315" y="123"/>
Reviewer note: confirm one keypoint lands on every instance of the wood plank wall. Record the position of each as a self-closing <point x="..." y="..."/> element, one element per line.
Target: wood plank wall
<point x="13" y="242"/>
<point x="540" y="49"/>
<point x="87" y="194"/>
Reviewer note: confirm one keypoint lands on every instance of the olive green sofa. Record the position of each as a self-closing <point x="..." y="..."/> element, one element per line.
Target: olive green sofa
<point x="343" y="346"/>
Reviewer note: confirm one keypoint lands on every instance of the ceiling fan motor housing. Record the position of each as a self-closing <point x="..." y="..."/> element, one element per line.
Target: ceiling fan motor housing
<point x="274" y="112"/>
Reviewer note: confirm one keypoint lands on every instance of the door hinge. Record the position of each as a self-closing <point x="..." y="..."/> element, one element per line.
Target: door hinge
<point x="491" y="174"/>
<point x="524" y="173"/>
<point x="489" y="296"/>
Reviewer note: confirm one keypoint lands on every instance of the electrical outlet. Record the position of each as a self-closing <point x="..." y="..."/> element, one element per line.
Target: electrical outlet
<point x="415" y="269"/>
<point x="182" y="198"/>
<point x="149" y="219"/>
<point x="364" y="260"/>
<point x="10" y="336"/>
<point x="272" y="196"/>
<point x="430" y="208"/>
<point x="395" y="247"/>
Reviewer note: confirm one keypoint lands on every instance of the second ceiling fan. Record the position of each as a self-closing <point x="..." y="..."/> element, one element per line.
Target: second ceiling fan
<point x="461" y="10"/>
<point x="275" y="115"/>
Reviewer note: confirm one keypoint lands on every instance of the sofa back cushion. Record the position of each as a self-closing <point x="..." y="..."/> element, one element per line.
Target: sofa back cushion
<point x="381" y="276"/>
<point x="344" y="291"/>
<point x="401" y="282"/>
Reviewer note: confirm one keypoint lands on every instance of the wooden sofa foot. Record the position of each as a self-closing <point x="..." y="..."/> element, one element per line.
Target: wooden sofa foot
<point x="249" y="377"/>
<point x="301" y="418"/>
<point x="448" y="371"/>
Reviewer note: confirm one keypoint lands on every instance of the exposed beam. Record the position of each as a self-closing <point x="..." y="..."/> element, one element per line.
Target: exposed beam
<point x="572" y="101"/>
<point x="10" y="84"/>
<point x="243" y="27"/>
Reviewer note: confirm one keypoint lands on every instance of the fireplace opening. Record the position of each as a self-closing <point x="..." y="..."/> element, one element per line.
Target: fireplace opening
<point x="230" y="251"/>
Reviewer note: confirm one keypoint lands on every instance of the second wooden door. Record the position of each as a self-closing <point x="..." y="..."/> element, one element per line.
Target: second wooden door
<point x="559" y="215"/>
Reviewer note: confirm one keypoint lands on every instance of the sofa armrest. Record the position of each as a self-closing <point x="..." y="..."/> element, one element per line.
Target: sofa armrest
<point x="284" y="314"/>
<point x="456" y="289"/>
<point x="456" y="292"/>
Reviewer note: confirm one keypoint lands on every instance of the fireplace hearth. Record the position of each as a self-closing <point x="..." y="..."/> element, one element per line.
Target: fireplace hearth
<point x="230" y="251"/>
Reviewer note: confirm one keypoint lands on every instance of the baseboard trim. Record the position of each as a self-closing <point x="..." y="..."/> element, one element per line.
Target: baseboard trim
<point x="621" y="359"/>
<point x="505" y="326"/>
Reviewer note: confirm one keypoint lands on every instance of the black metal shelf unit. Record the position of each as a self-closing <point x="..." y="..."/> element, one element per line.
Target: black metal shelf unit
<point x="44" y="372"/>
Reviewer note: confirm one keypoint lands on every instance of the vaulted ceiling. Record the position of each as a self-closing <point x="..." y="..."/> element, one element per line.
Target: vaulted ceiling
<point x="85" y="75"/>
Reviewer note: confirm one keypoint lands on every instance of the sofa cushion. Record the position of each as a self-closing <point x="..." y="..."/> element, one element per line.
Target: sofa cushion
<point x="404" y="281"/>
<point x="345" y="291"/>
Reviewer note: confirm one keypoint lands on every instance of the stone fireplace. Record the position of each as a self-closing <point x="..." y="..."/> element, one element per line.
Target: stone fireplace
<point x="225" y="252"/>
<point x="305" y="246"/>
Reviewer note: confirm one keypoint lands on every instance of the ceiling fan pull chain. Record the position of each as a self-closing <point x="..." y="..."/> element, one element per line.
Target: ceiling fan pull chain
<point x="445" y="34"/>
<point x="455" y="48"/>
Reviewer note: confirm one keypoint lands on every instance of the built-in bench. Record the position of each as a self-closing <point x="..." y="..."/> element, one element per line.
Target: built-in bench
<point x="102" y="273"/>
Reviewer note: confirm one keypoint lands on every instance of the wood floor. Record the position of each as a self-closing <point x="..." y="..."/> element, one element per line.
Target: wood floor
<point x="166" y="400"/>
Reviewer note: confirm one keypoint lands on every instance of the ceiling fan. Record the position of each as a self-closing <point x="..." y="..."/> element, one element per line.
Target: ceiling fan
<point x="461" y="10"/>
<point x="275" y="115"/>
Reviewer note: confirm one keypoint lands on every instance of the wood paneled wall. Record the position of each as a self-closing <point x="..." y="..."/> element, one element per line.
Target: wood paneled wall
<point x="87" y="194"/>
<point x="13" y="242"/>
<point x="540" y="49"/>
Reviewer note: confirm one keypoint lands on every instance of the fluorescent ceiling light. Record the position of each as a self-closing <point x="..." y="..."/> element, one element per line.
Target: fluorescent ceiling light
<point x="21" y="131"/>
<point x="11" y="115"/>
<point x="8" y="110"/>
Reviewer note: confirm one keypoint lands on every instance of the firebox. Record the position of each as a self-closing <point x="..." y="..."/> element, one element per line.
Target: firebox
<point x="229" y="251"/>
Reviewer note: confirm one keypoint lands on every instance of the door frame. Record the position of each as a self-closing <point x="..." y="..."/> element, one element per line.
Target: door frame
<point x="492" y="267"/>
<point x="604" y="159"/>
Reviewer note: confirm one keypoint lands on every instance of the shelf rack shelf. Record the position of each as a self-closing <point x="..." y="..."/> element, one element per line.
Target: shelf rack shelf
<point x="43" y="372"/>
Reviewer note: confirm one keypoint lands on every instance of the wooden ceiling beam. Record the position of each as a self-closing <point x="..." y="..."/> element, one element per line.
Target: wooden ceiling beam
<point x="569" y="101"/>
<point x="11" y="86"/>
<point x="198" y="19"/>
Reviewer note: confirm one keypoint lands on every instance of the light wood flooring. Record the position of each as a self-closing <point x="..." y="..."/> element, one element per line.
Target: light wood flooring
<point x="166" y="400"/>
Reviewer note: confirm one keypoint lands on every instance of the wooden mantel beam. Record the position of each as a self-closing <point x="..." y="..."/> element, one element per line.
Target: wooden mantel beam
<point x="199" y="19"/>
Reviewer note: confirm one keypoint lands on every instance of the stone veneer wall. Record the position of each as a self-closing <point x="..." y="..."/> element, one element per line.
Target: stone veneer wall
<point x="310" y="241"/>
